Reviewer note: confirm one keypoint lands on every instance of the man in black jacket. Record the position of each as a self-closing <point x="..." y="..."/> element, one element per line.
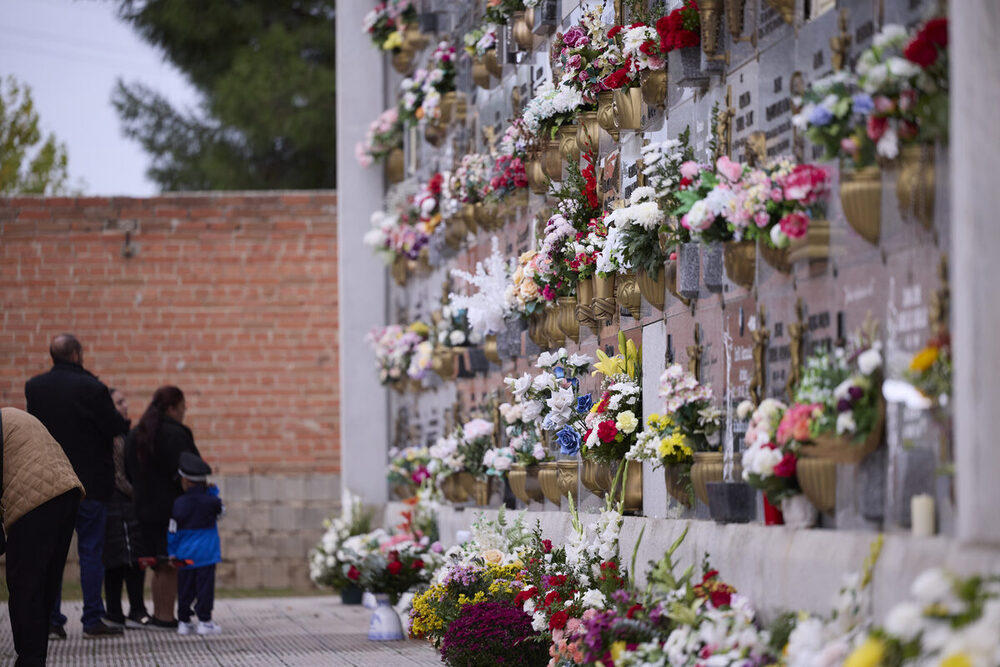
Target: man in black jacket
<point x="78" y="411"/>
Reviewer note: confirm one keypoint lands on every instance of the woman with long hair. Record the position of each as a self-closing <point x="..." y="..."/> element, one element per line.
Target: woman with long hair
<point x="152" y="458"/>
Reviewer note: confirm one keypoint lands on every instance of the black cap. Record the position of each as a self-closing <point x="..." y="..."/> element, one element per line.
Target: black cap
<point x="193" y="468"/>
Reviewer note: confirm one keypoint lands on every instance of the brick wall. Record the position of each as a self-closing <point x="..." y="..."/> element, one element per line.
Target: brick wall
<point x="230" y="296"/>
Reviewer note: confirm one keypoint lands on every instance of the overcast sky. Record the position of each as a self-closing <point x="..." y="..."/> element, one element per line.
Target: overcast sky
<point x="71" y="52"/>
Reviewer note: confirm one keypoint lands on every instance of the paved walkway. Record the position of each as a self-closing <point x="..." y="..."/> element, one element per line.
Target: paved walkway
<point x="257" y="631"/>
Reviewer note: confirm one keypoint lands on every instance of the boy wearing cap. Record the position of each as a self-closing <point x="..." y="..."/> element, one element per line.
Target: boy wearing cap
<point x="194" y="536"/>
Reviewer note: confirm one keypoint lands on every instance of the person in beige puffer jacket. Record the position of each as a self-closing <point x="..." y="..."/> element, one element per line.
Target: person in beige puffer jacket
<point x="41" y="494"/>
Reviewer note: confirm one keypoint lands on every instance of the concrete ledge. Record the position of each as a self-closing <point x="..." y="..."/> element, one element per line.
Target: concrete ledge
<point x="778" y="568"/>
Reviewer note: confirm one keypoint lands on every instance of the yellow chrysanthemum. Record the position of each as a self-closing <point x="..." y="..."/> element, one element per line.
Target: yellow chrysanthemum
<point x="420" y="328"/>
<point x="869" y="654"/>
<point x="956" y="660"/>
<point x="617" y="648"/>
<point x="924" y="359"/>
<point x="395" y="40"/>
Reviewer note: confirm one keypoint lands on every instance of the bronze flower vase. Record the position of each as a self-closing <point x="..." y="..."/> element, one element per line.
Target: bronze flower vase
<point x="584" y="302"/>
<point x="395" y="167"/>
<point x="653" y="84"/>
<point x="491" y="349"/>
<point x="627" y="103"/>
<point x="588" y="135"/>
<point x="521" y="30"/>
<point x="677" y="478"/>
<point x="740" y="259"/>
<point x="654" y="291"/>
<point x="814" y="245"/>
<point x="569" y="477"/>
<point x="493" y="65"/>
<point x="568" y="150"/>
<point x="627" y="293"/>
<point x="604" y="296"/>
<point x="786" y="8"/>
<point x="524" y="483"/>
<point x="480" y="75"/>
<point x="707" y="467"/>
<point x="606" y="113"/>
<point x="777" y="258"/>
<point x="537" y="180"/>
<point x="861" y="199"/>
<point x="552" y="160"/>
<point x="710" y="12"/>
<point x="548" y="480"/>
<point x="589" y="471"/>
<point x="818" y="479"/>
<point x="567" y="318"/>
<point x="915" y="184"/>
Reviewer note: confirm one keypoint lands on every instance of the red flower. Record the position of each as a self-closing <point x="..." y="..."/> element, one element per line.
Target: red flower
<point x="353" y="574"/>
<point x="794" y="225"/>
<point x="685" y="38"/>
<point x="935" y="31"/>
<point x="614" y="31"/>
<point x="663" y="26"/>
<point x="876" y="127"/>
<point x="786" y="466"/>
<point x="907" y="130"/>
<point x="720" y="598"/>
<point x="631" y="610"/>
<point x="395" y="567"/>
<point x="558" y="620"/>
<point x="557" y="580"/>
<point x="546" y="546"/>
<point x="434" y="185"/>
<point x="417" y="564"/>
<point x="619" y="77"/>
<point x="552" y="596"/>
<point x="607" y="430"/>
<point x="609" y="565"/>
<point x="649" y="48"/>
<point x="921" y="52"/>
<point x="708" y="576"/>
<point x="526" y="594"/>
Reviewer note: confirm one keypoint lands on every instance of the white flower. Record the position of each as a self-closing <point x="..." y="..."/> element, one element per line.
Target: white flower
<point x="538" y="622"/>
<point x="869" y="361"/>
<point x="888" y="144"/>
<point x="594" y="599"/>
<point x="578" y="360"/>
<point x="456" y="337"/>
<point x="905" y="621"/>
<point x="846" y="423"/>
<point x="477" y="428"/>
<point x="890" y="35"/>
<point x="842" y="392"/>
<point x="744" y="410"/>
<point x="544" y="381"/>
<point x="538" y="452"/>
<point x="532" y="411"/>
<point x="932" y="586"/>
<point x="548" y="359"/>
<point x="520" y="386"/>
<point x="778" y="237"/>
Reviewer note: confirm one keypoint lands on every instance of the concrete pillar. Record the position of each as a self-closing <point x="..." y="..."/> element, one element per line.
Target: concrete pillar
<point x="975" y="162"/>
<point x="362" y="276"/>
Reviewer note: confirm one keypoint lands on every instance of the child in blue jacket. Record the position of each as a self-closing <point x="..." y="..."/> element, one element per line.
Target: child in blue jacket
<point x="194" y="535"/>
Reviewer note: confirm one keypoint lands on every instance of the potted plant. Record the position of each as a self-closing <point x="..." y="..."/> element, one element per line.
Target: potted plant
<point x="408" y="470"/>
<point x="325" y="568"/>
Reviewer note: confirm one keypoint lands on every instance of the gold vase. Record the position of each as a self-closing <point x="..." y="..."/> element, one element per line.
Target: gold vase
<point x="627" y="293"/>
<point x="584" y="302"/>
<point x="915" y="185"/>
<point x="453" y="108"/>
<point x="567" y="318"/>
<point x="469" y="216"/>
<point x="552" y="330"/>
<point x="443" y="362"/>
<point x="435" y="133"/>
<point x="395" y="166"/>
<point x="709" y="12"/>
<point x="518" y="198"/>
<point x="455" y="231"/>
<point x="734" y="18"/>
<point x="481" y="491"/>
<point x="480" y="75"/>
<point x="814" y="245"/>
<point x="740" y="258"/>
<point x="786" y="8"/>
<point x="485" y="214"/>
<point x="523" y="37"/>
<point x="537" y="180"/>
<point x="535" y="331"/>
<point x="777" y="258"/>
<point x="589" y="472"/>
<point x="403" y="61"/>
<point x="633" y="488"/>
<point x="861" y="199"/>
<point x="524" y="483"/>
<point x="818" y="479"/>
<point x="677" y="478"/>
<point x="491" y="349"/>
<point x="707" y="467"/>
<point x="568" y="149"/>
<point x="627" y="104"/>
<point x="654" y="291"/>
<point x="548" y="480"/>
<point x="588" y="135"/>
<point x="569" y="477"/>
<point x="653" y="84"/>
<point x="604" y="296"/>
<point x="606" y="113"/>
<point x="552" y="160"/>
<point x="452" y="489"/>
<point x="414" y="40"/>
<point x="493" y="65"/>
<point x="400" y="270"/>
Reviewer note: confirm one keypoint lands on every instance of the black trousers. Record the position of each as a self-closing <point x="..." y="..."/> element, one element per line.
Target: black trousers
<point x="37" y="545"/>
<point x="134" y="580"/>
<point x="195" y="584"/>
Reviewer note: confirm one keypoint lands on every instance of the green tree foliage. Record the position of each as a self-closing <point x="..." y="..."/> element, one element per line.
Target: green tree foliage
<point x="28" y="164"/>
<point x="265" y="71"/>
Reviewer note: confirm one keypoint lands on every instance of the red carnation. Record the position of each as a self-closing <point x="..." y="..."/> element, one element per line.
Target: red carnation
<point x="418" y="564"/>
<point x="546" y="546"/>
<point x="607" y="430"/>
<point x="685" y="38"/>
<point x="631" y="610"/>
<point x="935" y="31"/>
<point x="558" y="620"/>
<point x="663" y="26"/>
<point x="921" y="52"/>
<point x="524" y="595"/>
<point x="353" y="574"/>
<point x="614" y="31"/>
<point x="720" y="598"/>
<point x="394" y="567"/>
<point x="786" y="466"/>
<point x="557" y="580"/>
<point x="552" y="596"/>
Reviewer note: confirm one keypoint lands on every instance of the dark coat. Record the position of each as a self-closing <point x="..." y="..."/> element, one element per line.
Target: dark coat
<point x="156" y="484"/>
<point x="77" y="410"/>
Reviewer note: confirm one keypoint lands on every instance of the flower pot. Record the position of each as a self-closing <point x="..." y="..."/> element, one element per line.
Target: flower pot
<point x="654" y="291"/>
<point x="731" y="502"/>
<point x="400" y="270"/>
<point x="385" y="624"/>
<point x="677" y="478"/>
<point x="588" y="133"/>
<point x="584" y="302"/>
<point x="453" y="108"/>
<point x="490" y="348"/>
<point x="568" y="149"/>
<point x="521" y="31"/>
<point x="395" y="167"/>
<point x="786" y="8"/>
<point x="452" y="489"/>
<point x="633" y="488"/>
<point x="535" y="331"/>
<point x="772" y="513"/>
<point x="469" y="216"/>
<point x="568" y="479"/>
<point x="455" y="231"/>
<point x="734" y="18"/>
<point x="653" y="84"/>
<point x="915" y="184"/>
<point x="846" y="450"/>
<point x="351" y="595"/>
<point x="493" y="65"/>
<point x="861" y="199"/>
<point x="435" y="133"/>
<point x="548" y="480"/>
<point x="628" y="108"/>
<point x="404" y="491"/>
<point x="537" y="180"/>
<point x="818" y="479"/>
<point x="415" y="41"/>
<point x="567" y="318"/>
<point x="606" y="113"/>
<point x="485" y="215"/>
<point x="590" y="471"/>
<point x="799" y="512"/>
<point x="604" y="296"/>
<point x="552" y="329"/>
<point x="403" y="60"/>
<point x="740" y="258"/>
<point x="518" y="198"/>
<point x="524" y="483"/>
<point x="708" y="467"/>
<point x="480" y="75"/>
<point x="814" y="245"/>
<point x="552" y="160"/>
<point x="627" y="293"/>
<point x="443" y="363"/>
<point x="710" y="13"/>
<point x="777" y="258"/>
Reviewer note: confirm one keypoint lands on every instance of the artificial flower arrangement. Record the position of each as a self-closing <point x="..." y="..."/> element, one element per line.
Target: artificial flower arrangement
<point x="478" y="437"/>
<point x="471" y="178"/>
<point x="769" y="461"/>
<point x="453" y="328"/>
<point x="613" y="421"/>
<point x="930" y="372"/>
<point x="590" y="55"/>
<point x="524" y="436"/>
<point x="523" y="294"/>
<point x="440" y="80"/>
<point x="325" y="569"/>
<point x="550" y="399"/>
<point x="427" y="201"/>
<point x="551" y="108"/>
<point x="390" y="564"/>
<point x="384" y="135"/>
<point x="480" y="40"/>
<point x="734" y="202"/>
<point x="412" y="92"/>
<point x="486" y="309"/>
<point x="834" y="115"/>
<point x="509" y="173"/>
<point x="395" y="235"/>
<point x="401" y="353"/>
<point x="445" y="457"/>
<point x="386" y="23"/>
<point x="408" y="466"/>
<point x="499" y="12"/>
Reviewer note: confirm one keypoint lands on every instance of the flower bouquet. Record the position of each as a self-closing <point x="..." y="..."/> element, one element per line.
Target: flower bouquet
<point x="325" y="569"/>
<point x="408" y="469"/>
<point x="664" y="444"/>
<point x="589" y="56"/>
<point x="384" y="135"/>
<point x="552" y="108"/>
<point x="401" y="354"/>
<point x="479" y="40"/>
<point x="498" y="12"/>
<point x="613" y="421"/>
<point x="440" y="81"/>
<point x="386" y="23"/>
<point x="523" y="294"/>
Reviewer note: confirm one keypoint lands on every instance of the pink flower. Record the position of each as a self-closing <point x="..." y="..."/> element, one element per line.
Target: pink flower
<point x="761" y="219"/>
<point x="794" y="225"/>
<point x="849" y="145"/>
<point x="573" y="36"/>
<point x="731" y="170"/>
<point x="690" y="169"/>
<point x="884" y="104"/>
<point x="574" y="62"/>
<point x="806" y="183"/>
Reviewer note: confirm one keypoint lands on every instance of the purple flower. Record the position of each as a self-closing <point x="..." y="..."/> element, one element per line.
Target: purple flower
<point x="573" y="36"/>
<point x="497" y="629"/>
<point x="820" y="115"/>
<point x="856" y="392"/>
<point x="843" y="405"/>
<point x="862" y="104"/>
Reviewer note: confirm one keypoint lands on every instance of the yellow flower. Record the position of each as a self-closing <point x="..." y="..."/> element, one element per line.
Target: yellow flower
<point x="626" y="422"/>
<point x="420" y="328"/>
<point x="869" y="654"/>
<point x="674" y="446"/>
<point x="617" y="649"/>
<point x="493" y="556"/>
<point x="956" y="660"/>
<point x="393" y="41"/>
<point x="608" y="366"/>
<point x="924" y="359"/>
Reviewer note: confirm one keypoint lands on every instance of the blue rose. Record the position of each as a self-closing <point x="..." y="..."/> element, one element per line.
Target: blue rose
<point x="584" y="403"/>
<point x="862" y="104"/>
<point x="559" y="372"/>
<point x="820" y="115"/>
<point x="569" y="441"/>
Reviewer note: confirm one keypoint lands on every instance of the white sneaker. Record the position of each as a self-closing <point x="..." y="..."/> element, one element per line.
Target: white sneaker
<point x="184" y="628"/>
<point x="209" y="628"/>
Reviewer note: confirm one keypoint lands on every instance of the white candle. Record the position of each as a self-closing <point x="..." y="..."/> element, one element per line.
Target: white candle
<point x="922" y="515"/>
